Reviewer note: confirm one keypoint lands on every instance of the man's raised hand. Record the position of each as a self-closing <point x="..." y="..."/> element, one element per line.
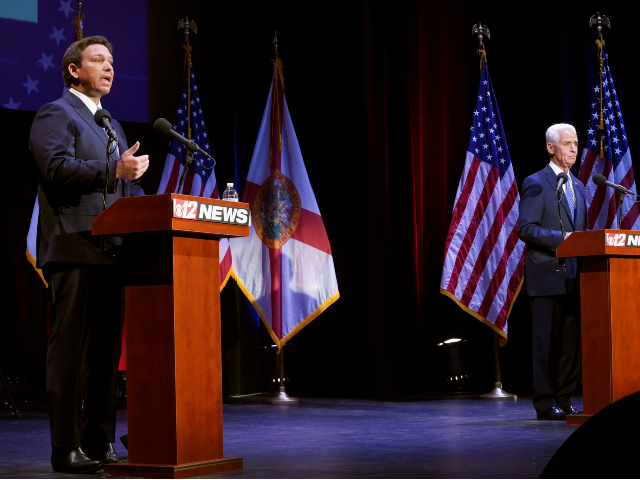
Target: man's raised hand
<point x="131" y="167"/>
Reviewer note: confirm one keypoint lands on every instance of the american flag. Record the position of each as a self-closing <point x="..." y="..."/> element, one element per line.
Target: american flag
<point x="484" y="258"/>
<point x="602" y="202"/>
<point x="199" y="181"/>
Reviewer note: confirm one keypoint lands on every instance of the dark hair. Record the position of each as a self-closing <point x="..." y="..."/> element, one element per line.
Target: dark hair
<point x="74" y="55"/>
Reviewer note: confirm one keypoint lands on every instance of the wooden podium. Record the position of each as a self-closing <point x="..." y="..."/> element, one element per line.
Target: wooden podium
<point x="174" y="375"/>
<point x="609" y="268"/>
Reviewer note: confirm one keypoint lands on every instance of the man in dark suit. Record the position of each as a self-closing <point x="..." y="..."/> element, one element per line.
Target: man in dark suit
<point x="552" y="283"/>
<point x="83" y="272"/>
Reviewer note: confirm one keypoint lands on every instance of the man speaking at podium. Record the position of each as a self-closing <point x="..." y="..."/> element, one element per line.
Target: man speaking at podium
<point x="552" y="282"/>
<point x="84" y="272"/>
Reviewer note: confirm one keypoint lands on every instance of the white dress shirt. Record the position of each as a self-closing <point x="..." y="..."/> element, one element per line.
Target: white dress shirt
<point x="93" y="108"/>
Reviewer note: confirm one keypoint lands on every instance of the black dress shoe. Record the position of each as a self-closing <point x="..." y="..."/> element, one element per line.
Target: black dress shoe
<point x="66" y="460"/>
<point x="553" y="413"/>
<point x="106" y="454"/>
<point x="571" y="410"/>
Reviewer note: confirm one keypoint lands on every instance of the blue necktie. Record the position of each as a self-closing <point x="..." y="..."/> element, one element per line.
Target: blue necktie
<point x="569" y="195"/>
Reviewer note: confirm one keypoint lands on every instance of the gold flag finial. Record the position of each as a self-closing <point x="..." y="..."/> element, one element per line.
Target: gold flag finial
<point x="187" y="26"/>
<point x="480" y="31"/>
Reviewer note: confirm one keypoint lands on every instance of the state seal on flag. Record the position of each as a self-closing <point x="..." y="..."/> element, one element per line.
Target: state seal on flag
<point x="276" y="210"/>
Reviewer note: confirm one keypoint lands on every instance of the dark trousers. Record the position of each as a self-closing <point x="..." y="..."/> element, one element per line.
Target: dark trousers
<point x="86" y="326"/>
<point x="556" y="349"/>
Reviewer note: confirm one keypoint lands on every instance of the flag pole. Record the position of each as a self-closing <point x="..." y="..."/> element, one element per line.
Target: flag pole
<point x="281" y="397"/>
<point x="480" y="30"/>
<point x="599" y="20"/>
<point x="497" y="393"/>
<point x="185" y="25"/>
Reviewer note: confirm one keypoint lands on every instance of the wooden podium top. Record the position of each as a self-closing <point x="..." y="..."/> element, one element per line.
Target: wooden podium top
<point x="157" y="213"/>
<point x="607" y="242"/>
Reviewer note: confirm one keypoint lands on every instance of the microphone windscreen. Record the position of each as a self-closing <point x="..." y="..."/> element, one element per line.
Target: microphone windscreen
<point x="599" y="179"/>
<point x="562" y="176"/>
<point x="162" y="126"/>
<point x="100" y="115"/>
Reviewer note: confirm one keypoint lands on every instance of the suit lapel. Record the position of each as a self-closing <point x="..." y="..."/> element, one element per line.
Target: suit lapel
<point x="84" y="113"/>
<point x="551" y="178"/>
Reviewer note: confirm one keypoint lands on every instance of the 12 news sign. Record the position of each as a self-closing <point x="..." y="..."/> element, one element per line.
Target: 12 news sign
<point x="207" y="212"/>
<point x="622" y="240"/>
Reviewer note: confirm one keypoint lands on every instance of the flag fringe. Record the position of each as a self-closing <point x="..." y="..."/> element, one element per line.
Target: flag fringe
<point x="280" y="343"/>
<point x="311" y="317"/>
<point x="32" y="261"/>
<point x="500" y="332"/>
<point x="514" y="297"/>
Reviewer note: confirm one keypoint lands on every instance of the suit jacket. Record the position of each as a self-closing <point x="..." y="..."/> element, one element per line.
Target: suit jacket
<point x="69" y="150"/>
<point x="539" y="227"/>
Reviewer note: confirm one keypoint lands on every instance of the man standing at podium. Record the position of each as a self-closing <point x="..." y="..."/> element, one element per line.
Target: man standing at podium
<point x="552" y="283"/>
<point x="83" y="272"/>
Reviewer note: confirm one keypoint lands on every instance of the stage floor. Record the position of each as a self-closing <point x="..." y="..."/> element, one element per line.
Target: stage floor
<point x="424" y="437"/>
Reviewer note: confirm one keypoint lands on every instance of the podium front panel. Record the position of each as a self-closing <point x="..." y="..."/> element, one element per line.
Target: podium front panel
<point x="173" y="343"/>
<point x="625" y="325"/>
<point x="595" y="303"/>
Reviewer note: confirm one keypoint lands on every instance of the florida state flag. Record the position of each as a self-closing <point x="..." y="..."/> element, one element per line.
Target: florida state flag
<point x="285" y="266"/>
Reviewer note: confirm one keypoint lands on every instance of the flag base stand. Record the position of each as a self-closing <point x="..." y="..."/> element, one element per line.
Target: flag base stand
<point x="497" y="393"/>
<point x="280" y="398"/>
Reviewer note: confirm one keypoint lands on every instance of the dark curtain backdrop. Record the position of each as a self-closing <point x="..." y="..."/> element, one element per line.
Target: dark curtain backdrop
<point x="381" y="95"/>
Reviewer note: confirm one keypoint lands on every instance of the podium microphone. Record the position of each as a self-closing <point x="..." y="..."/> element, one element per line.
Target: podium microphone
<point x="601" y="180"/>
<point x="165" y="128"/>
<point x="561" y="179"/>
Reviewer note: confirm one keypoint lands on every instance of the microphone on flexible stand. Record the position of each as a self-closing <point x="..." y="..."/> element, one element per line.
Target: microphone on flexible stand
<point x="601" y="181"/>
<point x="165" y="128"/>
<point x="561" y="179"/>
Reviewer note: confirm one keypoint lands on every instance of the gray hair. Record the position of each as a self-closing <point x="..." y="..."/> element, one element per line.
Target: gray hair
<point x="554" y="131"/>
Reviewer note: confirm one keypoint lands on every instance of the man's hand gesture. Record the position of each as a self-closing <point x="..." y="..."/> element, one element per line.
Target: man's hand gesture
<point x="130" y="167"/>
